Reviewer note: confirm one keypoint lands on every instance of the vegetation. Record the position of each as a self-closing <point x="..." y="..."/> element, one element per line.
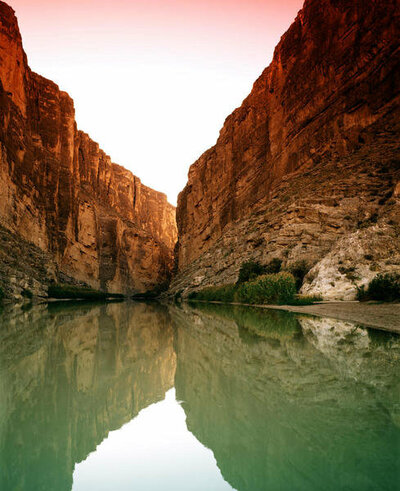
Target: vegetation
<point x="277" y="288"/>
<point x="1" y="294"/>
<point x="178" y="296"/>
<point x="79" y="292"/>
<point x="224" y="293"/>
<point x="250" y="270"/>
<point x="299" y="269"/>
<point x="385" y="287"/>
<point x="274" y="266"/>
<point x="306" y="299"/>
<point x="152" y="294"/>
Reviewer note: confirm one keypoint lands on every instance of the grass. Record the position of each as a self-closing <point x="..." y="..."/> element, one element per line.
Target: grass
<point x="224" y="293"/>
<point x="278" y="289"/>
<point x="306" y="299"/>
<point x="72" y="292"/>
<point x="385" y="287"/>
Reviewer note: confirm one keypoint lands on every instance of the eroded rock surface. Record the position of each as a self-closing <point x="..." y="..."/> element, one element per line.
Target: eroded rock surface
<point x="63" y="194"/>
<point x="310" y="158"/>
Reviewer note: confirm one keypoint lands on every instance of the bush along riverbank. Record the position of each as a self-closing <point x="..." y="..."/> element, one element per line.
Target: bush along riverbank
<point x="383" y="288"/>
<point x="275" y="288"/>
<point x="72" y="292"/>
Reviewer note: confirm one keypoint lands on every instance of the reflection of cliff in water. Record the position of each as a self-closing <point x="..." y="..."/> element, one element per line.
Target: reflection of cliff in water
<point x="70" y="375"/>
<point x="303" y="404"/>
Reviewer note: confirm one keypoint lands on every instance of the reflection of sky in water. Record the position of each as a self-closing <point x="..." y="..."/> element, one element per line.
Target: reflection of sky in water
<point x="154" y="451"/>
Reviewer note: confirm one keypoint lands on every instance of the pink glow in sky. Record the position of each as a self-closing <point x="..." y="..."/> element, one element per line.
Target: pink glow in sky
<point x="154" y="80"/>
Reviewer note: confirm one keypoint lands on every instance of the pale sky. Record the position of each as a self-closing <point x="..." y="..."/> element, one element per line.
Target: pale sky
<point x="153" y="81"/>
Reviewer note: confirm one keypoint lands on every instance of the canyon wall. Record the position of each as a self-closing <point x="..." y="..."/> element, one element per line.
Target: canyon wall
<point x="96" y="222"/>
<point x="308" y="168"/>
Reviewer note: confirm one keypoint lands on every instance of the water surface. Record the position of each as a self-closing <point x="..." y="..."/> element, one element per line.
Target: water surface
<point x="151" y="397"/>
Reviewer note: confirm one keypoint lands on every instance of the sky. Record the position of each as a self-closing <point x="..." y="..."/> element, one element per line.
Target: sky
<point x="153" y="80"/>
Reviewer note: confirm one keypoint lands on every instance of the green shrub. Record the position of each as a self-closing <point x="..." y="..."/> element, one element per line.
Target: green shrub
<point x="362" y="294"/>
<point x="274" y="266"/>
<point x="277" y="288"/>
<point x="178" y="296"/>
<point x="249" y="271"/>
<point x="225" y="293"/>
<point x="299" y="269"/>
<point x="385" y="287"/>
<point x="75" y="292"/>
<point x="306" y="299"/>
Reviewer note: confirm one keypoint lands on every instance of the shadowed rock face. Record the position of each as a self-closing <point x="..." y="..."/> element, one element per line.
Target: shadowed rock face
<point x="288" y="402"/>
<point x="61" y="192"/>
<point x="69" y="376"/>
<point x="310" y="158"/>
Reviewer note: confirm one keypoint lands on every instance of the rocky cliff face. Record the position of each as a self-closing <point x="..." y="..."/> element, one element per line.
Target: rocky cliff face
<point x="311" y="158"/>
<point x="61" y="192"/>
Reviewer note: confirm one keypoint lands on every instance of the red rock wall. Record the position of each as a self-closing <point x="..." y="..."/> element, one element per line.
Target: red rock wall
<point x="60" y="191"/>
<point x="331" y="91"/>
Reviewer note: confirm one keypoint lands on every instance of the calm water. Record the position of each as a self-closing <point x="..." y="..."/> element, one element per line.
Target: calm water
<point x="148" y="397"/>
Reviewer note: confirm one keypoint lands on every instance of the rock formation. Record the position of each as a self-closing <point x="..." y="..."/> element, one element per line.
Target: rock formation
<point x="309" y="164"/>
<point x="93" y="220"/>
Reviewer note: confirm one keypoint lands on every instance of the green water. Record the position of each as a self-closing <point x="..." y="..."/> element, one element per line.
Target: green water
<point x="151" y="397"/>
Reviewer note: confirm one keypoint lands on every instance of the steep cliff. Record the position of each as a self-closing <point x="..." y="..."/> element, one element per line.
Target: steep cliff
<point x="311" y="158"/>
<point x="61" y="192"/>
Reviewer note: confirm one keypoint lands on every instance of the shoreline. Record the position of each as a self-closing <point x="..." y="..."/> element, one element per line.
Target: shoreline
<point x="381" y="316"/>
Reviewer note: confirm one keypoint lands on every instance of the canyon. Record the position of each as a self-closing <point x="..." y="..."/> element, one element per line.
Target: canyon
<point x="68" y="214"/>
<point x="307" y="169"/>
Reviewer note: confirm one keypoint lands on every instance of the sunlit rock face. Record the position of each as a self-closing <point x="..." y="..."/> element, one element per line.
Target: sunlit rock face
<point x="72" y="376"/>
<point x="290" y="403"/>
<point x="311" y="157"/>
<point x="61" y="192"/>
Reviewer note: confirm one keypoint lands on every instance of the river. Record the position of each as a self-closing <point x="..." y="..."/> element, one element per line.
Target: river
<point x="148" y="396"/>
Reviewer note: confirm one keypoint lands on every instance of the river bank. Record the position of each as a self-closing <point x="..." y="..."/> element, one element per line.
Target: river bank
<point x="381" y="316"/>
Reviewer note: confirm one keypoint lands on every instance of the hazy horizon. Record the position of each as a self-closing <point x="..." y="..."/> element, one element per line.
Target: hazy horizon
<point x="153" y="82"/>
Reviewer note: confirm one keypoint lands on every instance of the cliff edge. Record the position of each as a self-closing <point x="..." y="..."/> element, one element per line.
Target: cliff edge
<point x="308" y="168"/>
<point x="62" y="200"/>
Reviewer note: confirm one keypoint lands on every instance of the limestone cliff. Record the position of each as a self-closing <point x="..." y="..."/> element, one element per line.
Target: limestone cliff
<point x="309" y="159"/>
<point x="60" y="192"/>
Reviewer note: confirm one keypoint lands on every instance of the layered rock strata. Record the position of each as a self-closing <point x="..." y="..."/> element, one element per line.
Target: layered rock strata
<point x="310" y="159"/>
<point x="62" y="193"/>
